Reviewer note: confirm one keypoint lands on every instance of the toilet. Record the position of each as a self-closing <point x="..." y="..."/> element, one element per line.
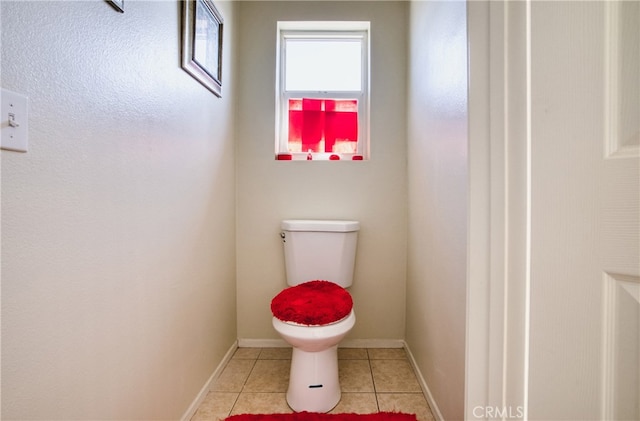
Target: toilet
<point x="316" y="312"/>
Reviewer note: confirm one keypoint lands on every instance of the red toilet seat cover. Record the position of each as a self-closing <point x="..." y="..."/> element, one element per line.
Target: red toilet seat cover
<point x="312" y="303"/>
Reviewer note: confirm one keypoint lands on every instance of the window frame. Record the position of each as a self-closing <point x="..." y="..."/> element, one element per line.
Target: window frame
<point x="322" y="30"/>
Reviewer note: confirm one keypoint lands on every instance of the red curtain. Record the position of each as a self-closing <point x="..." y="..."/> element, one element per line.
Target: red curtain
<point x="313" y="120"/>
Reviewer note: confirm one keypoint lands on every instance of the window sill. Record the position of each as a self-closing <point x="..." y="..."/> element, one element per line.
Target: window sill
<point x="302" y="156"/>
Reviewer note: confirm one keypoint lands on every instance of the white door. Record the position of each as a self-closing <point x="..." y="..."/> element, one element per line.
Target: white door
<point x="553" y="314"/>
<point x="583" y="288"/>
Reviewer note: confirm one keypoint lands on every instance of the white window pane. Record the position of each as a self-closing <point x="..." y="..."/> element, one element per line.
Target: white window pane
<point x="323" y="65"/>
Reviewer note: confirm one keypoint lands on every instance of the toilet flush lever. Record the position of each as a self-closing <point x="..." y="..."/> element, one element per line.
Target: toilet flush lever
<point x="283" y="236"/>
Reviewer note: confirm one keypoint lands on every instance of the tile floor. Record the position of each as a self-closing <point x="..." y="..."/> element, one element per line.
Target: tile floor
<point x="372" y="380"/>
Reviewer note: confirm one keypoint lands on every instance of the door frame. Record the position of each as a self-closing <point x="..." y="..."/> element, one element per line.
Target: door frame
<point x="499" y="242"/>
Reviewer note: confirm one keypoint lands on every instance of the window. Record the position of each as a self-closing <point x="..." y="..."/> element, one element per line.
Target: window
<point x="322" y="91"/>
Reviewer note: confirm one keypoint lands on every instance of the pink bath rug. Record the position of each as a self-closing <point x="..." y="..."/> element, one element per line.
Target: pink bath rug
<point x="313" y="416"/>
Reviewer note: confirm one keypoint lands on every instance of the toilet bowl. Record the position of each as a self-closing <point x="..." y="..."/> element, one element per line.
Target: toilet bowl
<point x="314" y="338"/>
<point x="316" y="312"/>
<point x="314" y="384"/>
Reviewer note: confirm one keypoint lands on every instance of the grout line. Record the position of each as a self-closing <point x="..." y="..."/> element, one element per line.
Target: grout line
<point x="234" y="404"/>
<point x="244" y="384"/>
<point x="373" y="380"/>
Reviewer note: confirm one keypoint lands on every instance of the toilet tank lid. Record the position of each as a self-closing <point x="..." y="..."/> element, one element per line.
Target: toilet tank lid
<point x="320" y="225"/>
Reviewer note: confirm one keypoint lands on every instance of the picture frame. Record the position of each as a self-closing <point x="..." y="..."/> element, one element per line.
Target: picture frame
<point x="202" y="31"/>
<point x="117" y="4"/>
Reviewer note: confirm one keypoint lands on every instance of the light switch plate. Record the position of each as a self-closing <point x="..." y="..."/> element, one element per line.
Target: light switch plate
<point x="15" y="121"/>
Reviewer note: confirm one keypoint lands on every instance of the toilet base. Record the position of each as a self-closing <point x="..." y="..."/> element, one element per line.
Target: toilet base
<point x="314" y="385"/>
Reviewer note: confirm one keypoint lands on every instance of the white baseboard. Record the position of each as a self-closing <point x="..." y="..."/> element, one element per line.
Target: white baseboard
<point x="262" y="343"/>
<point x="347" y="343"/>
<point x="423" y="384"/>
<point x="205" y="389"/>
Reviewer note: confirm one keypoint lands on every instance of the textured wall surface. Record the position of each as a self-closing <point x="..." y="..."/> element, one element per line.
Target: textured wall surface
<point x="372" y="192"/>
<point x="118" y="242"/>
<point x="437" y="168"/>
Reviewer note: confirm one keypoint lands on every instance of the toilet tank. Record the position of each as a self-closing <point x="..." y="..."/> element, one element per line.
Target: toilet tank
<point x="319" y="249"/>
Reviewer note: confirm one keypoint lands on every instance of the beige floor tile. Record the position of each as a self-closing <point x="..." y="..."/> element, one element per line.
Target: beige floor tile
<point x="234" y="376"/>
<point x="394" y="376"/>
<point x="411" y="403"/>
<point x="269" y="376"/>
<point x="247" y="353"/>
<point x="255" y="380"/>
<point x="352" y="354"/>
<point x="275" y="354"/>
<point x="356" y="403"/>
<point x="355" y="376"/>
<point x="215" y="407"/>
<point x="261" y="403"/>
<point x="387" y="354"/>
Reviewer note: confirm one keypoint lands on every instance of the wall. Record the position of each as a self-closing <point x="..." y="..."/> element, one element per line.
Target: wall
<point x="437" y="180"/>
<point x="118" y="242"/>
<point x="372" y="192"/>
